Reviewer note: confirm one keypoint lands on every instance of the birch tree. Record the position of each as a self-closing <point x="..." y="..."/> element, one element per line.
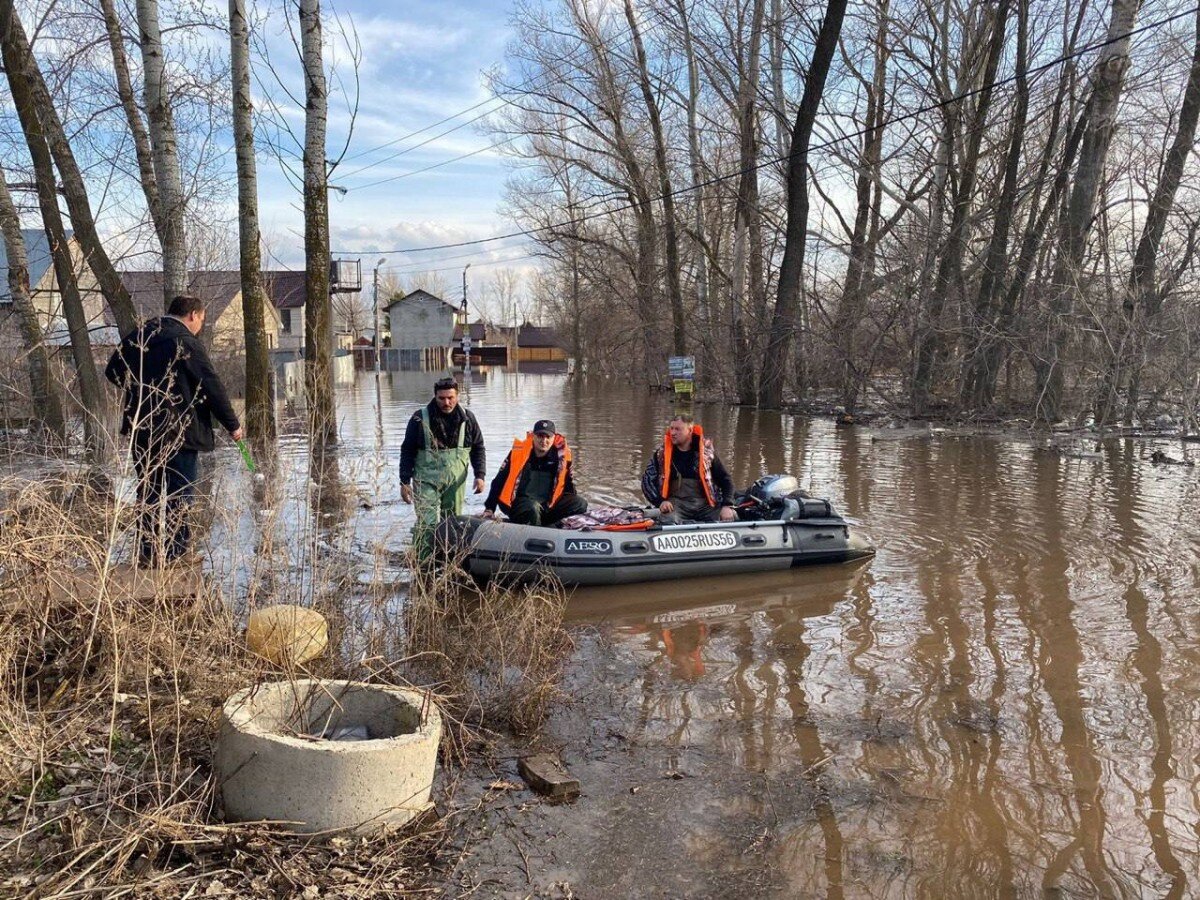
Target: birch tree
<point x="164" y="147"/>
<point x="260" y="408"/>
<point x="318" y="317"/>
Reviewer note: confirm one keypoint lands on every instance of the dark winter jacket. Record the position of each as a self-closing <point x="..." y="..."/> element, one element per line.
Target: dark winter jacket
<point x="547" y="464"/>
<point x="684" y="465"/>
<point x="445" y="435"/>
<point x="172" y="391"/>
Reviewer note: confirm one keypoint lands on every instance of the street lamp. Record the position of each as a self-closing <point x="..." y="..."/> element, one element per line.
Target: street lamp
<point x="378" y="335"/>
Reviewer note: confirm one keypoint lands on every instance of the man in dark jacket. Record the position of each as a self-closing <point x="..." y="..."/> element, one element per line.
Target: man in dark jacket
<point x="686" y="479"/>
<point x="172" y="395"/>
<point x="441" y="442"/>
<point x="535" y="486"/>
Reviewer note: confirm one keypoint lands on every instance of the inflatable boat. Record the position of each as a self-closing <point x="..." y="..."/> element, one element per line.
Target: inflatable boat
<point x="806" y="532"/>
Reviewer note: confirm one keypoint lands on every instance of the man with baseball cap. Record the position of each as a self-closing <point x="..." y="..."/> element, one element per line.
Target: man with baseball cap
<point x="535" y="485"/>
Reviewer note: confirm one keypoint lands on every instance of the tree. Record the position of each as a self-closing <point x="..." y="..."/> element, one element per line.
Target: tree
<point x="260" y="406"/>
<point x="783" y="325"/>
<point x="20" y="65"/>
<point x="318" y="318"/>
<point x="47" y="405"/>
<point x="165" y="155"/>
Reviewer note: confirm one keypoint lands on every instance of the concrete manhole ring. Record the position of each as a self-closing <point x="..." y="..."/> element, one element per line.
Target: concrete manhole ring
<point x="319" y="755"/>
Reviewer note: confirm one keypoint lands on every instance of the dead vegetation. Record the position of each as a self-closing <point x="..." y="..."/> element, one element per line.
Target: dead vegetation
<point x="110" y="694"/>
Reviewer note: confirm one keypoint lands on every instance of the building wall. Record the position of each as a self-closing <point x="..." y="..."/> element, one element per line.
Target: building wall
<point x="541" y="354"/>
<point x="291" y="329"/>
<point x="419" y="323"/>
<point x="229" y="333"/>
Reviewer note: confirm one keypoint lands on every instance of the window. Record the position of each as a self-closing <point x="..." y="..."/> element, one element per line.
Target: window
<point x="285" y="321"/>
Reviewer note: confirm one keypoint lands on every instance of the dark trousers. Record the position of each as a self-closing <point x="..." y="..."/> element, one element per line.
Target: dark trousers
<point x="166" y="485"/>
<point x="527" y="510"/>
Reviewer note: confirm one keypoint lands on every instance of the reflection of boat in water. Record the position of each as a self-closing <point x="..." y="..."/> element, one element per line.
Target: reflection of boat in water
<point x="715" y="599"/>
<point x="491" y="548"/>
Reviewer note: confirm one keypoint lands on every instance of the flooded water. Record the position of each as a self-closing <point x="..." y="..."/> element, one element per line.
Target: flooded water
<point x="1005" y="701"/>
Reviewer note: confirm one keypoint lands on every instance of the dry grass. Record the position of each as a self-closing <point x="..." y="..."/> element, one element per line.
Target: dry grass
<point x="109" y="705"/>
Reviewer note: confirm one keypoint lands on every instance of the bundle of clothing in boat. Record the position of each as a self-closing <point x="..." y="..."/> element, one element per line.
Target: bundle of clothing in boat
<point x="608" y="518"/>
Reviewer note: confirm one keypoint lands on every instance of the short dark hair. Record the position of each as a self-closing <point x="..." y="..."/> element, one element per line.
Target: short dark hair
<point x="184" y="305"/>
<point x="685" y="418"/>
<point x="445" y="384"/>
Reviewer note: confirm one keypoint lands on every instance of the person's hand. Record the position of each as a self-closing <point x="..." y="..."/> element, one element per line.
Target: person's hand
<point x="727" y="514"/>
<point x="406" y="493"/>
<point x="488" y="514"/>
<point x="479" y="485"/>
<point x="666" y="507"/>
<point x="237" y="434"/>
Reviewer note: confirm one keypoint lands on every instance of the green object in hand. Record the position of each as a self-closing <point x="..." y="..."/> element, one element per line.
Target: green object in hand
<point x="246" y="455"/>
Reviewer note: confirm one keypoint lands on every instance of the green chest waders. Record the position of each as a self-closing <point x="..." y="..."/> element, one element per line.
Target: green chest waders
<point x="439" y="483"/>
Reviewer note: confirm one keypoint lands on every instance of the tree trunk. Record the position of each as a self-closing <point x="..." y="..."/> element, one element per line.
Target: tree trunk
<point x="318" y="318"/>
<point x="866" y="219"/>
<point x="165" y="153"/>
<point x="783" y="325"/>
<point x="948" y="286"/>
<point x="137" y="128"/>
<point x="19" y="63"/>
<point x="1108" y="80"/>
<point x="260" y="407"/>
<point x="1144" y="301"/>
<point x="746" y="212"/>
<point x="674" y="288"/>
<point x="90" y="396"/>
<point x="697" y="170"/>
<point x="43" y="395"/>
<point x="778" y="97"/>
<point x="976" y="376"/>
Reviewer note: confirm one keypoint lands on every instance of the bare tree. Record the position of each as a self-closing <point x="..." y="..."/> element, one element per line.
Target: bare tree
<point x="165" y="155"/>
<point x="20" y="65"/>
<point x="783" y="325"/>
<point x="318" y="318"/>
<point x="260" y="406"/>
<point x="43" y="395"/>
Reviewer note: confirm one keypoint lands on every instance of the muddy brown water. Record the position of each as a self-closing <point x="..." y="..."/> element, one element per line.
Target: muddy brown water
<point x="1005" y="701"/>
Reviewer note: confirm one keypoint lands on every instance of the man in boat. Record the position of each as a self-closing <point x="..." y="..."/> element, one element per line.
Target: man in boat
<point x="686" y="479"/>
<point x="441" y="444"/>
<point x="535" y="486"/>
<point x="172" y="397"/>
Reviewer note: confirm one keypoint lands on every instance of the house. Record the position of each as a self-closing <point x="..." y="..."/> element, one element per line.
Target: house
<point x="221" y="292"/>
<point x="421" y="321"/>
<point x="47" y="300"/>
<point x="537" y="343"/>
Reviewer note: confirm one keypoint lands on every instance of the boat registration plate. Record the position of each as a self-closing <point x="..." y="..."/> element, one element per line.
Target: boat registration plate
<point x="694" y="541"/>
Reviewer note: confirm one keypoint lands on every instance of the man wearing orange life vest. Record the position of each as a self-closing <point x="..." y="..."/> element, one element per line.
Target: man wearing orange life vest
<point x="686" y="479"/>
<point x="535" y="484"/>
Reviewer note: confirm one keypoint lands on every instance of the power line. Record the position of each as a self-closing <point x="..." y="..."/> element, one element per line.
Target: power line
<point x="531" y="232"/>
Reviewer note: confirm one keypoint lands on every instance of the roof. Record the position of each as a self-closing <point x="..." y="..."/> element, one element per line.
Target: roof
<point x="417" y="296"/>
<point x="37" y="253"/>
<point x="539" y="336"/>
<point x="216" y="287"/>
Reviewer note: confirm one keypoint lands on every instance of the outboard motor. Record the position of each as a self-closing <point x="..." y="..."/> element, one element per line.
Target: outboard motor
<point x="774" y="487"/>
<point x="780" y="497"/>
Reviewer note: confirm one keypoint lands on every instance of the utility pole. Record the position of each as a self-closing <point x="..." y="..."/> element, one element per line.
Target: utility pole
<point x="466" y="327"/>
<point x="378" y="333"/>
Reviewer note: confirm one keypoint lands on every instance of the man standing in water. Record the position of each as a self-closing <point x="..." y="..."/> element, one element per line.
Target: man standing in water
<point x="686" y="479"/>
<point x="535" y="486"/>
<point x="172" y="395"/>
<point x="441" y="442"/>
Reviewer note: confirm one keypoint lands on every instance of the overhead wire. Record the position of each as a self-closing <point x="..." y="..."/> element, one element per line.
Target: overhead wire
<point x="958" y="98"/>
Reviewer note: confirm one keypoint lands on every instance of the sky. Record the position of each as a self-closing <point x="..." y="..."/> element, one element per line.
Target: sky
<point x="421" y="62"/>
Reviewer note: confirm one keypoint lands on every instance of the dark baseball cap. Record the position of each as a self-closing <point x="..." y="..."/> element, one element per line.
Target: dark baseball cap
<point x="544" y="426"/>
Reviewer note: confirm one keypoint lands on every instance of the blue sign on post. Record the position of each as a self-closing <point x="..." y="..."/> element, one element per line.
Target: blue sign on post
<point x="682" y="372"/>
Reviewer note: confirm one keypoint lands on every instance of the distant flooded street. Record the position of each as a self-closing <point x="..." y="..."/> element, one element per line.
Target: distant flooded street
<point x="1005" y="701"/>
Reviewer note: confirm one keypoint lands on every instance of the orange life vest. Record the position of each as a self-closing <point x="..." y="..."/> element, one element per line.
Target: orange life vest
<point x="518" y="458"/>
<point x="701" y="464"/>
